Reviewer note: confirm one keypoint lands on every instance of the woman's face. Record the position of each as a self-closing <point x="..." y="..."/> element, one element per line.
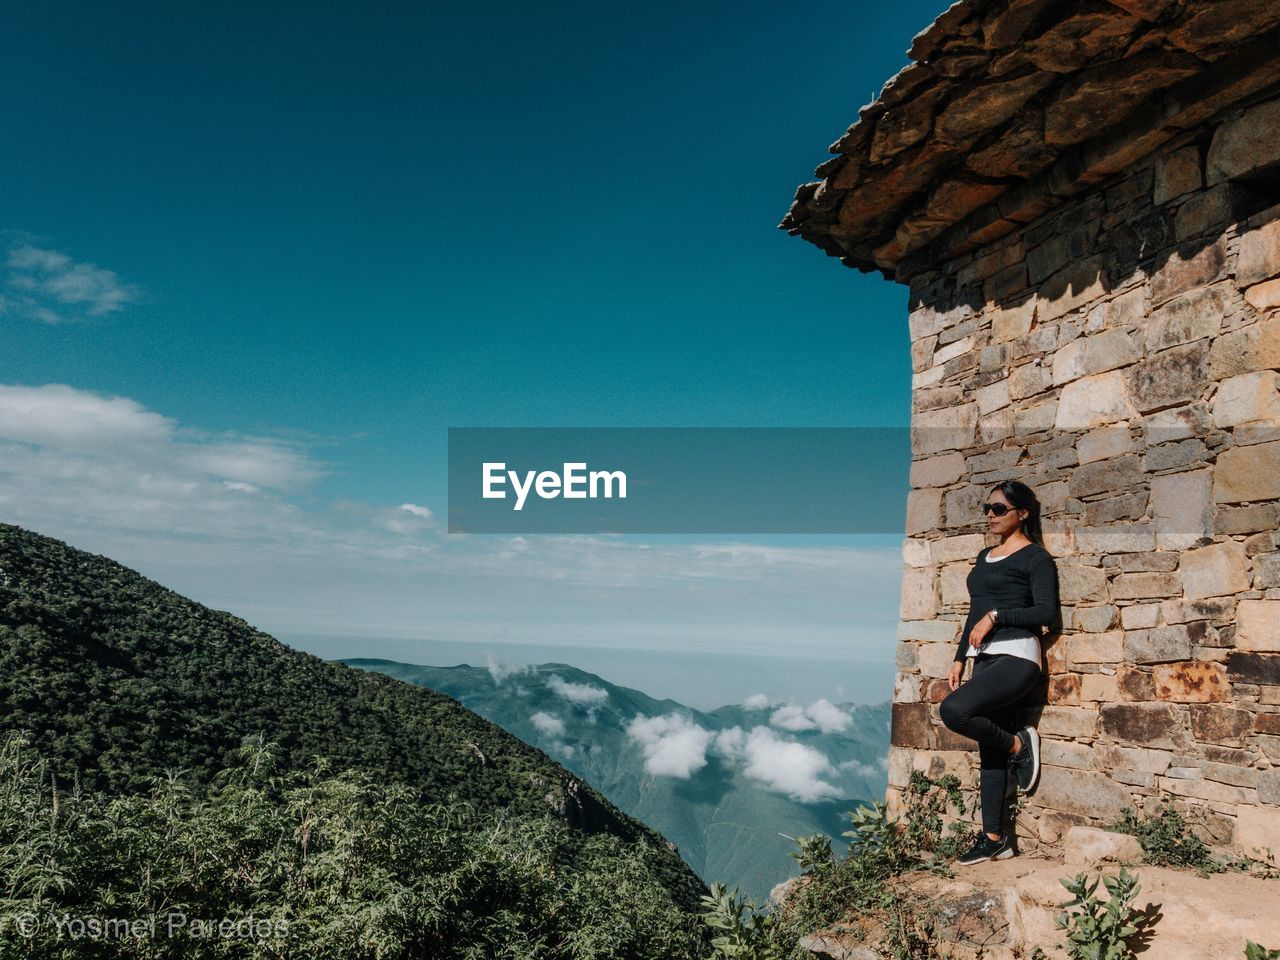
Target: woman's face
<point x="1011" y="521"/>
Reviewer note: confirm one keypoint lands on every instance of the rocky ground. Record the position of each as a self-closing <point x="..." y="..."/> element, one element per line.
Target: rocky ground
<point x="1004" y="910"/>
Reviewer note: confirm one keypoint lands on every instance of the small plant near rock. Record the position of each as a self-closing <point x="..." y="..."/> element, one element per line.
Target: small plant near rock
<point x="1167" y="840"/>
<point x="927" y="800"/>
<point x="1254" y="951"/>
<point x="1097" y="930"/>
<point x="815" y="854"/>
<point x="909" y="933"/>
<point x="744" y="928"/>
<point x="1263" y="869"/>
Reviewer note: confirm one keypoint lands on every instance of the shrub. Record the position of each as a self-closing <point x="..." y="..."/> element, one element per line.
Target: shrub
<point x="337" y="865"/>
<point x="1167" y="840"/>
<point x="1097" y="930"/>
<point x="741" y="937"/>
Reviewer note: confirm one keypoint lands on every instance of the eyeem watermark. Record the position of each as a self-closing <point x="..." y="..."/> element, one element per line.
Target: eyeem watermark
<point x="575" y="483"/>
<point x="174" y="925"/>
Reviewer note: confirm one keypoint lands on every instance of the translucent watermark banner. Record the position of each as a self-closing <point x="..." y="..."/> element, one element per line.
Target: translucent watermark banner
<point x="729" y="480"/>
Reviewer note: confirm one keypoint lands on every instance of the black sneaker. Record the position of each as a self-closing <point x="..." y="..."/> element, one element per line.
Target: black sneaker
<point x="986" y="849"/>
<point x="1025" y="764"/>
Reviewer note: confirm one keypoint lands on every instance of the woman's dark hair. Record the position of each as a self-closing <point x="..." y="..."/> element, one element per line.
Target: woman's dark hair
<point x="1024" y="498"/>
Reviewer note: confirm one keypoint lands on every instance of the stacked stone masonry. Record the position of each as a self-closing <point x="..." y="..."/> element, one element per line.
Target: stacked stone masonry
<point x="1120" y="354"/>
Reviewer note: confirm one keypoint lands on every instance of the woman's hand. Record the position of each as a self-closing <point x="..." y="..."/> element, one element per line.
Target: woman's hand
<point x="957" y="671"/>
<point x="980" y="631"/>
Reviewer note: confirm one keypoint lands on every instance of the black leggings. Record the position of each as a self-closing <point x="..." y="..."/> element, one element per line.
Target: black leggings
<point x="985" y="709"/>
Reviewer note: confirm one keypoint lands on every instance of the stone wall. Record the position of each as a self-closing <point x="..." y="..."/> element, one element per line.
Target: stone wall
<point x="1119" y="354"/>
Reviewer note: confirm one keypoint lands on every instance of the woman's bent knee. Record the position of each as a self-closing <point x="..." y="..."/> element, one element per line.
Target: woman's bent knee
<point x="954" y="716"/>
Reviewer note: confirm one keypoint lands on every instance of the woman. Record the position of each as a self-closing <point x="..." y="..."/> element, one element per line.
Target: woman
<point x="1013" y="601"/>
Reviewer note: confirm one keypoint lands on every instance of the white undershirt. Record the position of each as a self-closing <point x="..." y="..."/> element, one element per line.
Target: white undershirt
<point x="1027" y="647"/>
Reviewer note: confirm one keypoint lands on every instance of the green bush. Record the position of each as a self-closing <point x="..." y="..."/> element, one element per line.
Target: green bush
<point x="1097" y="930"/>
<point x="743" y="928"/>
<point x="314" y="864"/>
<point x="1167" y="840"/>
<point x="1253" y="951"/>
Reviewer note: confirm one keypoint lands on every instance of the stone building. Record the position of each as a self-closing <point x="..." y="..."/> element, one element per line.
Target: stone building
<point x="1084" y="199"/>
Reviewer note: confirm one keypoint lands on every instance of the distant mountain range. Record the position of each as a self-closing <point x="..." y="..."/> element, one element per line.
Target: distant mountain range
<point x="723" y="785"/>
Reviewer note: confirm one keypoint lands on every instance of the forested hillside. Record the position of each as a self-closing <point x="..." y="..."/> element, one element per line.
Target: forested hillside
<point x="117" y="680"/>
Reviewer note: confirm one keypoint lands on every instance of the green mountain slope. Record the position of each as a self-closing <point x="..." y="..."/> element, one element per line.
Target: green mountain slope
<point x="117" y="680"/>
<point x="725" y="819"/>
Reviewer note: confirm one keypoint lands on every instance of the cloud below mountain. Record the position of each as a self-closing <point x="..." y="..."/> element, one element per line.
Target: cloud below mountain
<point x="547" y="724"/>
<point x="788" y="767"/>
<point x="501" y="671"/>
<point x="580" y="693"/>
<point x="820" y="715"/>
<point x="674" y="745"/>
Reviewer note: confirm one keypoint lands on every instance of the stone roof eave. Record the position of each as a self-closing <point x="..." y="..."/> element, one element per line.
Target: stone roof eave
<point x="902" y="193"/>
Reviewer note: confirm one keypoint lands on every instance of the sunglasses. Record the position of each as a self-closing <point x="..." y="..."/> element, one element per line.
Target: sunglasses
<point x="998" y="509"/>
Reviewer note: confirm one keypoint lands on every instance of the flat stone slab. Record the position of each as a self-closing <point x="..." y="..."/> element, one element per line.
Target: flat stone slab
<point x="1089" y="847"/>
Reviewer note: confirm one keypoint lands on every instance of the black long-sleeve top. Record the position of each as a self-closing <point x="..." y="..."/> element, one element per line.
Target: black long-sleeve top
<point x="1023" y="590"/>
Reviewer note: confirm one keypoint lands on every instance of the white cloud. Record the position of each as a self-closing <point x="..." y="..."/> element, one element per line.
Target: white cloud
<point x="829" y="717"/>
<point x="781" y="765"/>
<point x="74" y="460"/>
<point x="416" y="510"/>
<point x="57" y="418"/>
<point x="548" y="725"/>
<point x="261" y="462"/>
<point x="584" y="693"/>
<point x="757" y="701"/>
<point x="64" y="418"/>
<point x="673" y="745"/>
<point x="731" y="742"/>
<point x="876" y="769"/>
<point x="552" y="729"/>
<point x="787" y="767"/>
<point x="395" y="520"/>
<point x="48" y="286"/>
<point x="792" y="718"/>
<point x="820" y="715"/>
<point x="501" y="671"/>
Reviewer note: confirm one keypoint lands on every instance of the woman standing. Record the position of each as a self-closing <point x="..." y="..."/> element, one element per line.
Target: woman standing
<point x="1013" y="602"/>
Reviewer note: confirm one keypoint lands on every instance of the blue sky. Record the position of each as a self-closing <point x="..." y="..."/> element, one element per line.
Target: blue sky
<point x="258" y="258"/>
